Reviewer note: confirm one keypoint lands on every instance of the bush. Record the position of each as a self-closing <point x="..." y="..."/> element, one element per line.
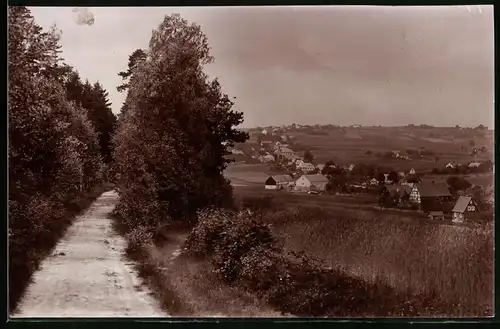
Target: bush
<point x="243" y="251"/>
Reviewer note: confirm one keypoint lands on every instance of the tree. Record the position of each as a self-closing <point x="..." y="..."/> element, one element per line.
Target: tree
<point x="53" y="154"/>
<point x="457" y="183"/>
<point x="172" y="140"/>
<point x="136" y="57"/>
<point x="308" y="156"/>
<point x="393" y="176"/>
<point x="380" y="177"/>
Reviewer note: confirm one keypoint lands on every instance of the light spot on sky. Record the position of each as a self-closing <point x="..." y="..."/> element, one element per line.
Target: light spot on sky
<point x="83" y="16"/>
<point x="339" y="65"/>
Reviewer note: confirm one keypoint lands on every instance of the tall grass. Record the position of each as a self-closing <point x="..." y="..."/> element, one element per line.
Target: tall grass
<point x="455" y="264"/>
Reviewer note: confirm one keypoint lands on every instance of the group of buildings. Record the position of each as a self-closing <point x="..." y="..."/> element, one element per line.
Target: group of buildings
<point x="304" y="183"/>
<point x="433" y="198"/>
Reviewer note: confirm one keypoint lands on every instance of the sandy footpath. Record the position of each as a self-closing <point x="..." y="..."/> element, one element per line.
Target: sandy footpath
<point x="87" y="274"/>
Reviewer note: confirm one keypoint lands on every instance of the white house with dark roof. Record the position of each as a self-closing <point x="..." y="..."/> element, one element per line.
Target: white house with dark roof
<point x="311" y="183"/>
<point x="306" y="167"/>
<point x="464" y="209"/>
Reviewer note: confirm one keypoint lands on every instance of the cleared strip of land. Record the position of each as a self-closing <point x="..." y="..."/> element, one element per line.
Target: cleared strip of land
<point x="87" y="274"/>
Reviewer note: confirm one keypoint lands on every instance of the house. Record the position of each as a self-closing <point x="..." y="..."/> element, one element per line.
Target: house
<point x="350" y="167"/>
<point x="450" y="165"/>
<point x="474" y="164"/>
<point x="464" y="209"/>
<point x="284" y="138"/>
<point x="237" y="152"/>
<point x="430" y="196"/>
<point x="279" y="182"/>
<point x="401" y="174"/>
<point x="306" y="167"/>
<point x="269" y="158"/>
<point x="373" y="181"/>
<point x="285" y="152"/>
<point x="412" y="171"/>
<point x="436" y="215"/>
<point x="404" y="157"/>
<point x="320" y="167"/>
<point x="264" y="132"/>
<point x="398" y="193"/>
<point x="395" y="154"/>
<point x="311" y="183"/>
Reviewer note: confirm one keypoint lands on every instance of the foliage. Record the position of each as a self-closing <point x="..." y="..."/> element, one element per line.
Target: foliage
<point x="308" y="156"/>
<point x="457" y="183"/>
<point x="54" y="158"/>
<point x="172" y="140"/>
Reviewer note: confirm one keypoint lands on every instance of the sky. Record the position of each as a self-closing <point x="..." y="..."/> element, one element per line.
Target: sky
<point x="339" y="65"/>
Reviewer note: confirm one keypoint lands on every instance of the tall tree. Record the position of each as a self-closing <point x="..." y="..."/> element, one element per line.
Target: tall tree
<point x="136" y="57"/>
<point x="172" y="140"/>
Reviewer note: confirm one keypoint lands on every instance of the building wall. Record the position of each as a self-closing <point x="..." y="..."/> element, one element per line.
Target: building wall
<point x="319" y="186"/>
<point x="458" y="217"/>
<point x="302" y="184"/>
<point x="271" y="187"/>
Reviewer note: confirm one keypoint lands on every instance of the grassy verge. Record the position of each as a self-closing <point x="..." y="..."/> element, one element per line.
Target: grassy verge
<point x="27" y="252"/>
<point x="183" y="285"/>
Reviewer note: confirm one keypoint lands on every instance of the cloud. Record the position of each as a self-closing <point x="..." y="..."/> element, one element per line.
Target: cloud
<point x="82" y="16"/>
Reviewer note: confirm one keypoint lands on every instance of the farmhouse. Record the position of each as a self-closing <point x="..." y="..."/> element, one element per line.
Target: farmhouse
<point x="398" y="193"/>
<point x="430" y="196"/>
<point x="450" y="165"/>
<point x="436" y="215"/>
<point x="373" y="181"/>
<point x="237" y="152"/>
<point x="279" y="182"/>
<point x="268" y="158"/>
<point x="464" y="209"/>
<point x="311" y="183"/>
<point x="264" y="132"/>
<point x="320" y="167"/>
<point x="306" y="167"/>
<point x="285" y="152"/>
<point x="412" y="171"/>
<point x="474" y="164"/>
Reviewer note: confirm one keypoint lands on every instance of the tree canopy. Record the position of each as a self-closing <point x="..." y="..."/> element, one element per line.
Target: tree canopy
<point x="172" y="140"/>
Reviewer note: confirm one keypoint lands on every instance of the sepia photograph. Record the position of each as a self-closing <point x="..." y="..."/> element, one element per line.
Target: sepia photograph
<point x="251" y="161"/>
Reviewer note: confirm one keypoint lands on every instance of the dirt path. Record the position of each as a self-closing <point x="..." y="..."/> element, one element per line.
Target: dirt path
<point x="87" y="274"/>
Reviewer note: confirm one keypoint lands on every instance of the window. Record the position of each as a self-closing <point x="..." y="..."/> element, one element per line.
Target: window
<point x="471" y="208"/>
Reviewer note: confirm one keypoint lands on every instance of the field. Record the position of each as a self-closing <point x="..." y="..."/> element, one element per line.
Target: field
<point x="403" y="248"/>
<point x="349" y="145"/>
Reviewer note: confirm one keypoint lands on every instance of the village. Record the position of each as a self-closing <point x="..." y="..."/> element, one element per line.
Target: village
<point x="442" y="192"/>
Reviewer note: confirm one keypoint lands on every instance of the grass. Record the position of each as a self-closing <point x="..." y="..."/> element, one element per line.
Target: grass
<point x="453" y="263"/>
<point x="185" y="286"/>
<point x="27" y="253"/>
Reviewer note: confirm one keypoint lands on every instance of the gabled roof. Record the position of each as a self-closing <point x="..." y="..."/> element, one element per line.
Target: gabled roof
<point x="400" y="189"/>
<point x="306" y="164"/>
<point x="282" y="178"/>
<point x="433" y="190"/>
<point x="436" y="213"/>
<point x="285" y="150"/>
<point x="318" y="178"/>
<point x="462" y="204"/>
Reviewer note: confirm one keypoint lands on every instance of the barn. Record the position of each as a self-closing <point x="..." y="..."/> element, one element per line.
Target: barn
<point x="430" y="196"/>
<point x="277" y="182"/>
<point x="465" y="209"/>
<point x="311" y="183"/>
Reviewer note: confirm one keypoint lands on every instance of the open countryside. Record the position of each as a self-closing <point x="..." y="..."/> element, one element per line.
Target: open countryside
<point x="333" y="161"/>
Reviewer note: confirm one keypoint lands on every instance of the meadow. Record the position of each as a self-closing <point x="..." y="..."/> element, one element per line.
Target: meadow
<point x="453" y="263"/>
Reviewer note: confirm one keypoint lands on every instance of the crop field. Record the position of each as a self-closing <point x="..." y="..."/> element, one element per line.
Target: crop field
<point x="349" y="145"/>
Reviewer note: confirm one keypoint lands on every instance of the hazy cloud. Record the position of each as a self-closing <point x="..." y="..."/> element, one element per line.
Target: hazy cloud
<point x="340" y="65"/>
